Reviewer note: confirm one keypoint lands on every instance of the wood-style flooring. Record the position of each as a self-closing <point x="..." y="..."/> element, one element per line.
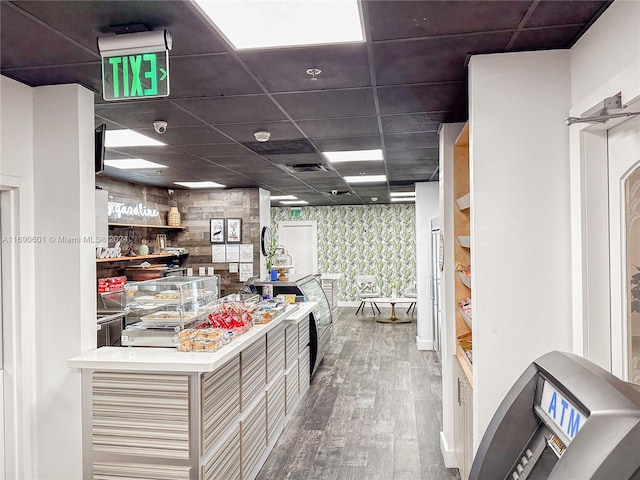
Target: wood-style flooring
<point x="373" y="411"/>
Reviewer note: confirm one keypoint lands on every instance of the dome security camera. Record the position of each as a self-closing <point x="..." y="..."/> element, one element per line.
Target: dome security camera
<point x="334" y="192"/>
<point x="160" y="126"/>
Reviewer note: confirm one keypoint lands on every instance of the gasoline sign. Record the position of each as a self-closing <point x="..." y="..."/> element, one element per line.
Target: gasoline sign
<point x="139" y="75"/>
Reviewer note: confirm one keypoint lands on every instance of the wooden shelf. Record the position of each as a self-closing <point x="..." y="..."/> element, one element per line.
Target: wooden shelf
<point x="139" y="257"/>
<point x="466" y="281"/>
<point x="464" y="202"/>
<point x="466" y="317"/>
<point x="161" y="227"/>
<point x="465" y="363"/>
<point x="464" y="241"/>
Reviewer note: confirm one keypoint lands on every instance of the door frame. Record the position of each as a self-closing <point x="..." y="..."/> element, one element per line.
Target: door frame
<point x="18" y="300"/>
<point x="598" y="330"/>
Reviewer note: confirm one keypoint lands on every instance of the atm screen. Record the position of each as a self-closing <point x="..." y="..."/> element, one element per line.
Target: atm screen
<point x="559" y="413"/>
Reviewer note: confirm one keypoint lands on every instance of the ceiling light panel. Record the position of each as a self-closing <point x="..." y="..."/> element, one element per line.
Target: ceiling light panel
<point x="365" y="178"/>
<point x="354" y="156"/>
<point x="402" y="194"/>
<point x="283" y="197"/>
<point x="200" y="184"/>
<point x="132" y="163"/>
<point x="251" y="24"/>
<point x="128" y="138"/>
<point x="294" y="202"/>
<point x="403" y="199"/>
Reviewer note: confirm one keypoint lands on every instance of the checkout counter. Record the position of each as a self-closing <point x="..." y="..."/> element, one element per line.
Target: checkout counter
<point x="564" y="419"/>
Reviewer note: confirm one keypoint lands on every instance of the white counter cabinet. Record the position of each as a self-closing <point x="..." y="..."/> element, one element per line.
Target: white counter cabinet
<point x="164" y="414"/>
<point x="330" y="286"/>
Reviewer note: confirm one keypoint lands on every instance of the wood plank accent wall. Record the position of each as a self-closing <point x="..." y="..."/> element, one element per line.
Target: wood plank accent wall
<point x="196" y="208"/>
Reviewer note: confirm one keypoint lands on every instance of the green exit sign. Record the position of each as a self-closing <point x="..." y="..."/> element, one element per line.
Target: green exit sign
<point x="139" y="75"/>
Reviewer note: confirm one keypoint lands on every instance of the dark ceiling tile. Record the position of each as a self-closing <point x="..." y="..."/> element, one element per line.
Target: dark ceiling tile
<point x="110" y="125"/>
<point x="243" y="162"/>
<point x="340" y="127"/>
<point x="422" y="98"/>
<point x="348" y="143"/>
<point x="415" y="122"/>
<point x="243" y="132"/>
<point x="564" y="12"/>
<point x="193" y="135"/>
<point x="297" y="158"/>
<point x="88" y="75"/>
<point x="432" y="59"/>
<point x="142" y="114"/>
<point x="156" y="151"/>
<point x="298" y="146"/>
<point x="379" y="191"/>
<point x="327" y="104"/>
<point x="546" y="38"/>
<point x="412" y="154"/>
<point x="216" y="150"/>
<point x="209" y="76"/>
<point x="84" y="21"/>
<point x="239" y="109"/>
<point x="284" y="70"/>
<point x="411" y="140"/>
<point x="393" y="19"/>
<point x="39" y="46"/>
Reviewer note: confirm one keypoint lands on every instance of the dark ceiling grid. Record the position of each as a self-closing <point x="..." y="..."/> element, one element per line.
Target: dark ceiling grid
<point x="374" y="87"/>
<point x="243" y="64"/>
<point x="392" y="91"/>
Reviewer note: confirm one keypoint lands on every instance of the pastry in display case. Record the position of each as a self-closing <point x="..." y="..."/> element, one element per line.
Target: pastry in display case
<point x="155" y="310"/>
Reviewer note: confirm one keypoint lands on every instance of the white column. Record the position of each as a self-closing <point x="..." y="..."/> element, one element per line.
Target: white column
<point x="65" y="282"/>
<point x="427" y="207"/>
<point x="448" y="135"/>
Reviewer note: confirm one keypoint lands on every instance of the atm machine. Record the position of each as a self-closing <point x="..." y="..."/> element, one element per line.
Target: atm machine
<point x="564" y="419"/>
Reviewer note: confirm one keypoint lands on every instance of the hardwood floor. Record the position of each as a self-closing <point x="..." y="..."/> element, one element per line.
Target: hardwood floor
<point x="373" y="411"/>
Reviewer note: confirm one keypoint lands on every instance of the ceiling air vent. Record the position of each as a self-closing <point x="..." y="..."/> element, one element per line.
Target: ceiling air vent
<point x="306" y="168"/>
<point x="282" y="147"/>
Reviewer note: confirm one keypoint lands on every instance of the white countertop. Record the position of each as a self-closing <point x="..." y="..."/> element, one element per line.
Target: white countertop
<point x="173" y="360"/>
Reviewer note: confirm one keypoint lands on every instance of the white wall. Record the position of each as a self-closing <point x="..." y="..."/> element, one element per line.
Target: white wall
<point x="605" y="61"/>
<point x="427" y="207"/>
<point x="16" y="181"/>
<point x="520" y="247"/>
<point x="448" y="135"/>
<point x="265" y="221"/>
<point x="48" y="163"/>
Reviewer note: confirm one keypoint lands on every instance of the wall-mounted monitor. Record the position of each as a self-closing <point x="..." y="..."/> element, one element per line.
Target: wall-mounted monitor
<point x="99" y="144"/>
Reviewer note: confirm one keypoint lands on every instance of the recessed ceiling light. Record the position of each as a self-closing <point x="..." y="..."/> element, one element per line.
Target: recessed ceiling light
<point x="200" y="184"/>
<point x="403" y="199"/>
<point x="402" y="194"/>
<point x="354" y="156"/>
<point x="365" y="178"/>
<point x="251" y="24"/>
<point x="283" y="197"/>
<point x="128" y="138"/>
<point x="131" y="163"/>
<point x="294" y="202"/>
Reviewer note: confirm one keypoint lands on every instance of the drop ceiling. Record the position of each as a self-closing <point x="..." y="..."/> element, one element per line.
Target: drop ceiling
<point x="390" y="92"/>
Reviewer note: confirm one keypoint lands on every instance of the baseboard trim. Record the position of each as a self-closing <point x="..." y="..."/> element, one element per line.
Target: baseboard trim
<point x="348" y="303"/>
<point x="424" y="344"/>
<point x="448" y="454"/>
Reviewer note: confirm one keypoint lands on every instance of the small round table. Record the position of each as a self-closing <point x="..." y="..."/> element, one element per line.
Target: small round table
<point x="392" y="301"/>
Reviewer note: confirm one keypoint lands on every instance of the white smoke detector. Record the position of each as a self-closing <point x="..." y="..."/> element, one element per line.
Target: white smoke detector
<point x="262" y="136"/>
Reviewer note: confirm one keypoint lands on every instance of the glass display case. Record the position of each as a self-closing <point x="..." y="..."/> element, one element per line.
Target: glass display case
<point x="156" y="309"/>
<point x="320" y="324"/>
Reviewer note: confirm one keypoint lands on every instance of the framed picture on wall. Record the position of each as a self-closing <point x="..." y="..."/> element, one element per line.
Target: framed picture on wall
<point x="217" y="230"/>
<point x="234" y="230"/>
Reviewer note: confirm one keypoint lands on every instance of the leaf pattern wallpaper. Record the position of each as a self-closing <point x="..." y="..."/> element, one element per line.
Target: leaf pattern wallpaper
<point x="356" y="239"/>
